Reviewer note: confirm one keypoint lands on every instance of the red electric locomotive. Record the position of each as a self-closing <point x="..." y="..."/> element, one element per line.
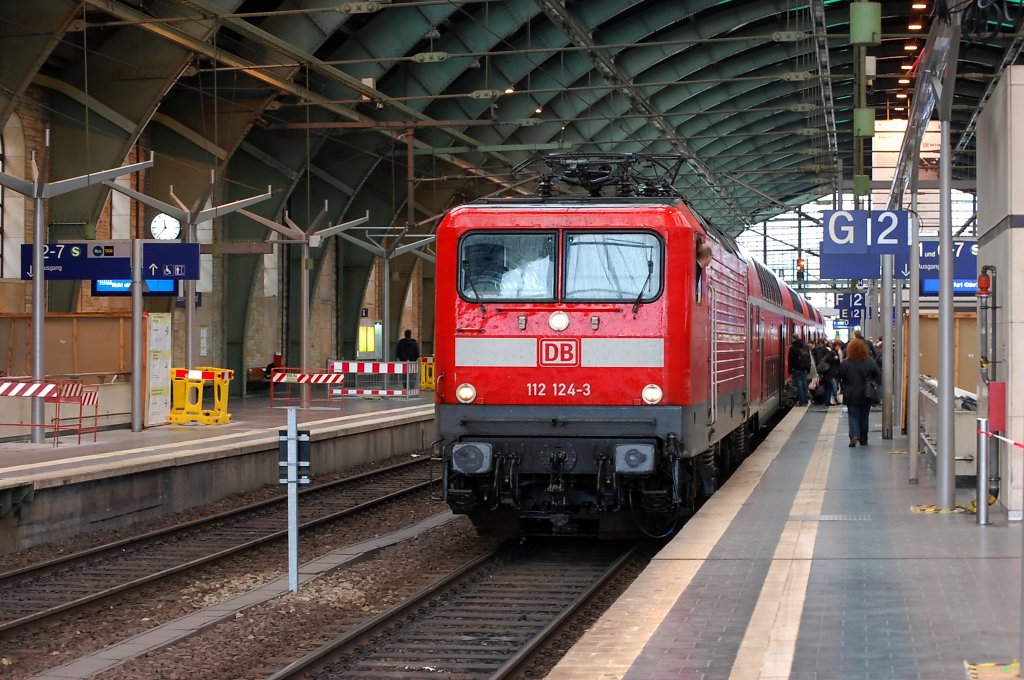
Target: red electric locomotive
<point x="595" y="372"/>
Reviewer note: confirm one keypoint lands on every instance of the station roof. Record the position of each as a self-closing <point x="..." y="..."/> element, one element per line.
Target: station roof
<point x="316" y="98"/>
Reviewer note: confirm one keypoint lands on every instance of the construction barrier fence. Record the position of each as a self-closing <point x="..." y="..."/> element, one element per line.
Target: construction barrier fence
<point x="378" y="378"/>
<point x="291" y="386"/>
<point x="76" y="399"/>
<point x="187" y="395"/>
<point x="426" y="373"/>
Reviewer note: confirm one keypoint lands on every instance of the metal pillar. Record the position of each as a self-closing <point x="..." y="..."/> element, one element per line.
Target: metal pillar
<point x="914" y="338"/>
<point x="982" y="471"/>
<point x="885" y="334"/>
<point x="38" y="313"/>
<point x="39" y="189"/>
<point x="190" y="218"/>
<point x="137" y="367"/>
<point x="945" y="481"/>
<point x="310" y="237"/>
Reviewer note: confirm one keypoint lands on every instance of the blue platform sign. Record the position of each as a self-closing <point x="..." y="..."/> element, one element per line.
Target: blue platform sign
<point x="965" y="260"/>
<point x="172" y="260"/>
<point x="85" y="260"/>
<point x="78" y="261"/>
<point x="859" y="232"/>
<point x="847" y="266"/>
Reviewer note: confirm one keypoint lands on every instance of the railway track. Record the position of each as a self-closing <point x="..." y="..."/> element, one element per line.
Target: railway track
<point x="483" y="621"/>
<point x="36" y="593"/>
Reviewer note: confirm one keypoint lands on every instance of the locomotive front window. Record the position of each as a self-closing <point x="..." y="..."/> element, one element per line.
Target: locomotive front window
<point x="507" y="266"/>
<point x="611" y="266"/>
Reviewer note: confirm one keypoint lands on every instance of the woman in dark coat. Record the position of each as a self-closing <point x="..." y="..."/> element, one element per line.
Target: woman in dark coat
<point x="858" y="368"/>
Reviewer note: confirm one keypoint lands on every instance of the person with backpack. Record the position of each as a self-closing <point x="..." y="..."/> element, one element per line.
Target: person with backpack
<point x="855" y="373"/>
<point x="799" y="362"/>
<point x="827" y="363"/>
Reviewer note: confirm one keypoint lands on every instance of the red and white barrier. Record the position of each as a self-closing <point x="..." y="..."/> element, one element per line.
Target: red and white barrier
<point x="311" y="378"/>
<point x="28" y="388"/>
<point x="378" y="378"/>
<point x="367" y="367"/>
<point x="293" y="386"/>
<point x="991" y="435"/>
<point x="57" y="394"/>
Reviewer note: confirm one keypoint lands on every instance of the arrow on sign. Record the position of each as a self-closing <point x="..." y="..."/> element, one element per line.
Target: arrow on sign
<point x="152" y="269"/>
<point x="906" y="271"/>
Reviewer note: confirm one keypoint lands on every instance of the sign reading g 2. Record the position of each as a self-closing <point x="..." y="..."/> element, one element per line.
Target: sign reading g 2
<point x="874" y="232"/>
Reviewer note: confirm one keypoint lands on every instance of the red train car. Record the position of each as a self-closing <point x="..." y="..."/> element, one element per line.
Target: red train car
<point x="591" y="376"/>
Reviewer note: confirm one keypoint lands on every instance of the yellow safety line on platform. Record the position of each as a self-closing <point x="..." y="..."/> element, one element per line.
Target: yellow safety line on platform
<point x="207" y="442"/>
<point x="610" y="647"/>
<point x="986" y="671"/>
<point x="769" y="645"/>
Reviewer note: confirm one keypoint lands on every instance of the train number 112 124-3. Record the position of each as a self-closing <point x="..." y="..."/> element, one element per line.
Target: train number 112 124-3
<point x="557" y="389"/>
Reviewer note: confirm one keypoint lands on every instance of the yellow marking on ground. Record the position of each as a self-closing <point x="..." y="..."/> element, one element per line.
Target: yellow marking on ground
<point x="769" y="644"/>
<point x="609" y="648"/>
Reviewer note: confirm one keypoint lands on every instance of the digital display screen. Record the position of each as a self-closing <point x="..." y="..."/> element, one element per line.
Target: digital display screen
<point x="960" y="286"/>
<point x="166" y="287"/>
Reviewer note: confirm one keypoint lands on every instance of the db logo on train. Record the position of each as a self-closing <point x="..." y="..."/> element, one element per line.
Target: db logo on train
<point x="560" y="352"/>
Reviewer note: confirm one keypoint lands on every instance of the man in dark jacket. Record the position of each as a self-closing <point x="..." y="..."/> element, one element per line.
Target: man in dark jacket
<point x="407" y="348"/>
<point x="799" y="363"/>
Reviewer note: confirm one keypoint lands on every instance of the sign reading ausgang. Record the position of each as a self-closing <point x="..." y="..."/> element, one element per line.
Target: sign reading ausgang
<point x="112" y="260"/>
<point x="862" y="232"/>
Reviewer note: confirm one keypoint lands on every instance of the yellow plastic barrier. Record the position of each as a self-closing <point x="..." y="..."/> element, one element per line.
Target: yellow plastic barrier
<point x="426" y="373"/>
<point x="187" y="395"/>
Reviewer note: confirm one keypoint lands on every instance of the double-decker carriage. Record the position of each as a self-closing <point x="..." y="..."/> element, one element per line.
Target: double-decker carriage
<point x="592" y="377"/>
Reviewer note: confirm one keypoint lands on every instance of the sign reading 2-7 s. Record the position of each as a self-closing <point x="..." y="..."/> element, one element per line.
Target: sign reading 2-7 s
<point x="866" y="232"/>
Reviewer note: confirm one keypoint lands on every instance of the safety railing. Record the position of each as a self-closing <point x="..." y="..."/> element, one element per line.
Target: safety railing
<point x="56" y="394"/>
<point x="292" y="387"/>
<point x="378" y="378"/>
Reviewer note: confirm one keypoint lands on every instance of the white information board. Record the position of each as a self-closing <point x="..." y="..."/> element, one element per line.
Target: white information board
<point x="158" y="369"/>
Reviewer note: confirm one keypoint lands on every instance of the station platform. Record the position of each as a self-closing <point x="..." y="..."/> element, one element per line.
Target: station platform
<point x="814" y="561"/>
<point x="48" y="492"/>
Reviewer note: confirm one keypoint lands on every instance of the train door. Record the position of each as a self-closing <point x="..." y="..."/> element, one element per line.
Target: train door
<point x="755" y="358"/>
<point x="713" y="364"/>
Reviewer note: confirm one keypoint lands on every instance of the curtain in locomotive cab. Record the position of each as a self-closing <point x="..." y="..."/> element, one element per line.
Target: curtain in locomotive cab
<point x="508" y="266"/>
<point x="703" y="254"/>
<point x="610" y="266"/>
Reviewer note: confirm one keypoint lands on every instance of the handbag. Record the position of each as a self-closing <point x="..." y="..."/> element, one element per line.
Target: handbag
<point x="824" y="365"/>
<point x="871" y="392"/>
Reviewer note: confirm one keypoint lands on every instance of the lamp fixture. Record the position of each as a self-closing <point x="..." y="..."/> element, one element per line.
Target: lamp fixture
<point x="914" y="26"/>
<point x="901" y="95"/>
<point x="538" y="110"/>
<point x="509" y="89"/>
<point x="919" y="5"/>
<point x="910" y="47"/>
<point x="906" y="67"/>
<point x="904" y="81"/>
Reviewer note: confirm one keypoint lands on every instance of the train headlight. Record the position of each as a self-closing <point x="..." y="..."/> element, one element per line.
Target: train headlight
<point x="634" y="459"/>
<point x="558" y="321"/>
<point x="651" y="394"/>
<point x="472" y="458"/>
<point x="465" y="393"/>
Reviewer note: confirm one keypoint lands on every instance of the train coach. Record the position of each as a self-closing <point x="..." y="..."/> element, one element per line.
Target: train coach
<point x="601" y="362"/>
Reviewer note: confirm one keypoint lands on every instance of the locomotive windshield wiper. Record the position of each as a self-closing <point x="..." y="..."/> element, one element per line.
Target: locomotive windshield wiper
<point x="469" y="280"/>
<point x="640" y="295"/>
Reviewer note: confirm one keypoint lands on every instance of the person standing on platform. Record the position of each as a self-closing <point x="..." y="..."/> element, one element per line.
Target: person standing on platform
<point x="407" y="349"/>
<point x="858" y="369"/>
<point x="827" y="362"/>
<point x="799" y="362"/>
